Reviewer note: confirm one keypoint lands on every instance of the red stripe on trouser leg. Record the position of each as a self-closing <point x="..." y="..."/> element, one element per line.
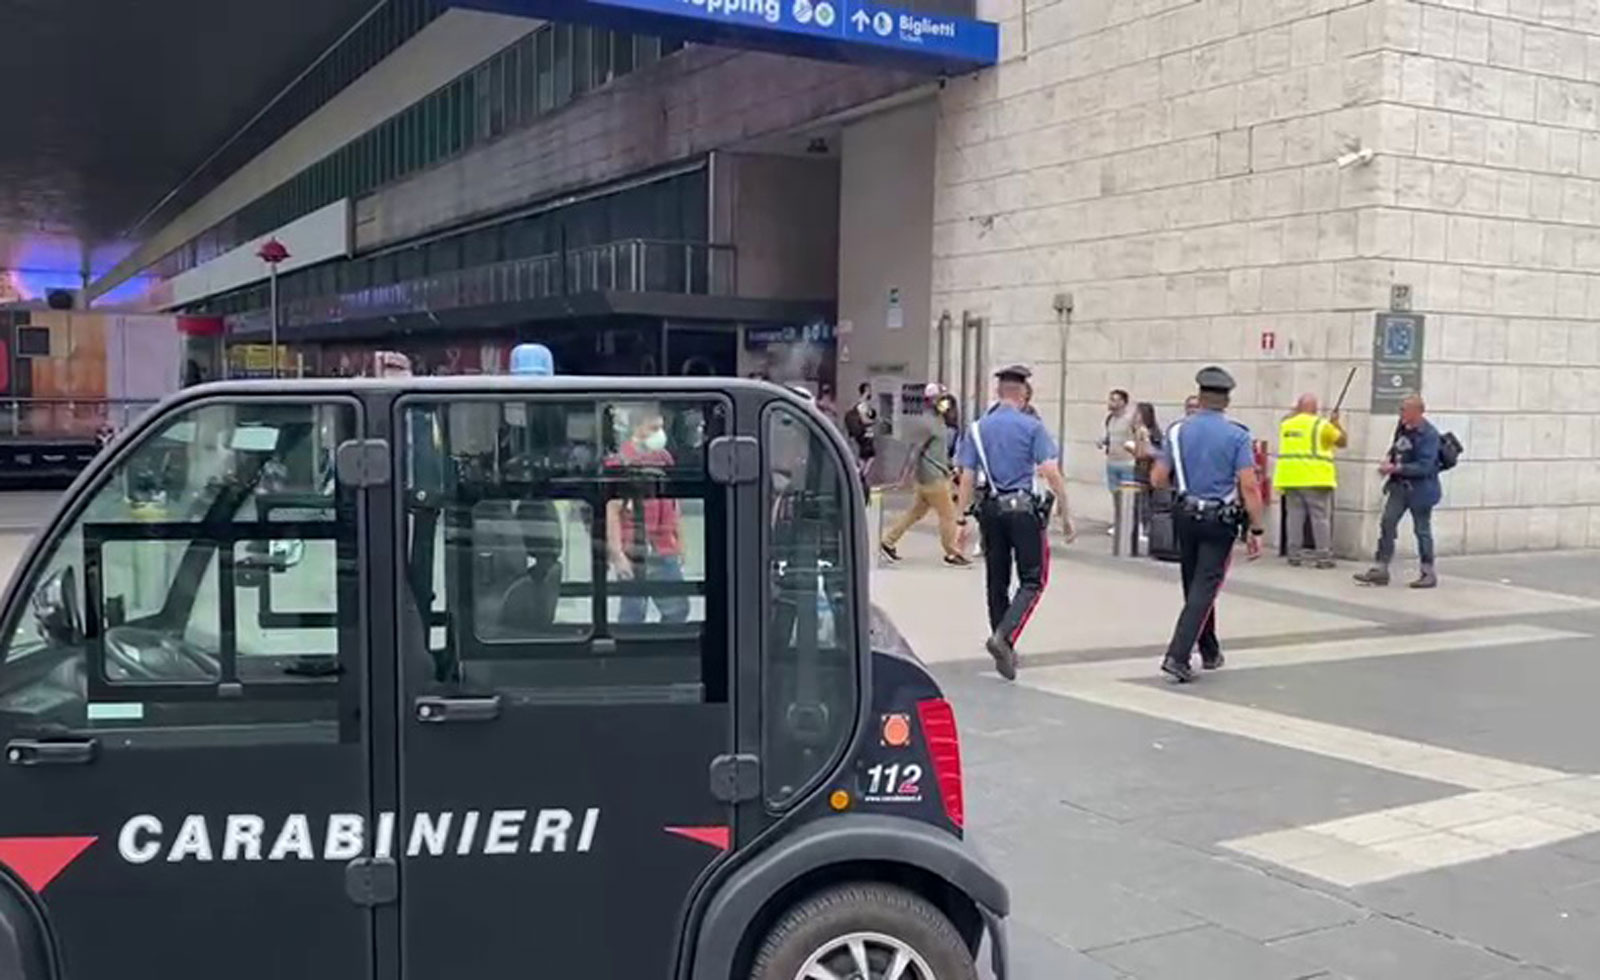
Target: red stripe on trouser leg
<point x="1044" y="581"/>
<point x="1211" y="613"/>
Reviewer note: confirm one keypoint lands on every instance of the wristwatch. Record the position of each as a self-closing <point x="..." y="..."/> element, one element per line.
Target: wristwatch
<point x="961" y="521"/>
<point x="1257" y="531"/>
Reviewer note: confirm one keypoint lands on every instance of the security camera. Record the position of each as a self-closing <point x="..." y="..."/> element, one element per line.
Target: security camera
<point x="1353" y="158"/>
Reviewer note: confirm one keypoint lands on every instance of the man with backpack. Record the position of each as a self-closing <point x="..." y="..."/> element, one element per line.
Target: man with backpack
<point x="861" y="425"/>
<point x="929" y="467"/>
<point x="1411" y="471"/>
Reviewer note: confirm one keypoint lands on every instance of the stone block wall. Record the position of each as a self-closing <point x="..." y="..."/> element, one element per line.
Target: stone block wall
<point x="1171" y="164"/>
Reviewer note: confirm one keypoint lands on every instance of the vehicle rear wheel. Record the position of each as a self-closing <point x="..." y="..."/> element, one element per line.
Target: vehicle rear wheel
<point x="864" y="932"/>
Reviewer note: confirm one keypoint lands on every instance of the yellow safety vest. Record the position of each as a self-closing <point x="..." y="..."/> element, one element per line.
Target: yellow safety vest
<point x="1302" y="462"/>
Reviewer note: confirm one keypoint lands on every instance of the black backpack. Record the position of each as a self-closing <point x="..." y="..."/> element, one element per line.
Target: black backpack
<point x="1450" y="450"/>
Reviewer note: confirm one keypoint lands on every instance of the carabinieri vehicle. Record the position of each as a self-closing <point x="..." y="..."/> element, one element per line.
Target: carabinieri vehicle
<point x="474" y="678"/>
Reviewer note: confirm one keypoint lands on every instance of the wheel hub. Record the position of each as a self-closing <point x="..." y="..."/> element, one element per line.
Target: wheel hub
<point x="865" y="956"/>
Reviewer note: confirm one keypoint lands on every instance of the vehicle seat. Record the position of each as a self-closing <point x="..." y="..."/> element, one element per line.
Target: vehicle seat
<point x="517" y="569"/>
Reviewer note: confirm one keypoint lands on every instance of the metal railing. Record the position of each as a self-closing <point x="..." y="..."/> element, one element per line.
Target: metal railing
<point x="629" y="265"/>
<point x="64" y="418"/>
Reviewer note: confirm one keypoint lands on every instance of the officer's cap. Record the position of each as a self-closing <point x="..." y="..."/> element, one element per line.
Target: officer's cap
<point x="1014" y="372"/>
<point x="1214" y="378"/>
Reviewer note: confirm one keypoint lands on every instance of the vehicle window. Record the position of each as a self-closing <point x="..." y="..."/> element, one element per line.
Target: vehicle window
<point x="210" y="580"/>
<point x="809" y="663"/>
<point x="561" y="547"/>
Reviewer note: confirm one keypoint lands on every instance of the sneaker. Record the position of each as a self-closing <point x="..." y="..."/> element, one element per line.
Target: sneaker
<point x="958" y="561"/>
<point x="1427" y="580"/>
<point x="1296" y="562"/>
<point x="1004" y="654"/>
<point x="889" y="551"/>
<point x="1327" y="563"/>
<point x="1376" y="575"/>
<point x="1177" y="670"/>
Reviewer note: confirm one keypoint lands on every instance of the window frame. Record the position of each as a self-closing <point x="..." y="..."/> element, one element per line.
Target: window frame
<point x="347" y="690"/>
<point x="713" y="641"/>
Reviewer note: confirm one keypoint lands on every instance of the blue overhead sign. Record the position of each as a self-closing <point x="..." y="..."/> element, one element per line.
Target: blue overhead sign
<point x="835" y="30"/>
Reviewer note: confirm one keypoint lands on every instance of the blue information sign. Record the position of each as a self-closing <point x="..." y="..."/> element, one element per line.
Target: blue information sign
<point x="835" y="30"/>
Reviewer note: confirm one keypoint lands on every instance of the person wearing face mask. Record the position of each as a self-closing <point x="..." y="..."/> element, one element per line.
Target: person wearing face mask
<point x="643" y="539"/>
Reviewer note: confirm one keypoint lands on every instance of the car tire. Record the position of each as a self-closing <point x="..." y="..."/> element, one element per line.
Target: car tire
<point x="882" y="918"/>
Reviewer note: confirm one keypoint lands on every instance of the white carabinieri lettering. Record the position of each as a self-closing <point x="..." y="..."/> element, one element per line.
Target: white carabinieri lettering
<point x="343" y="836"/>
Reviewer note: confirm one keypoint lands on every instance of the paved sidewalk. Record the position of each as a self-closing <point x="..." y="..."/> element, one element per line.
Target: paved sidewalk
<point x="1382" y="784"/>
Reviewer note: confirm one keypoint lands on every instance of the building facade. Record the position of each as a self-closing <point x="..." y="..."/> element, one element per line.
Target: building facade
<point x="1138" y="188"/>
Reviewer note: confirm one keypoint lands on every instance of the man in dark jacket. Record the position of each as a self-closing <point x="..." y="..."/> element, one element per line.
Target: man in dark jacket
<point x="1411" y="469"/>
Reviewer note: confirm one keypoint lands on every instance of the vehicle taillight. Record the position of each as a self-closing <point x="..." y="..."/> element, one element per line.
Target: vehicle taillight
<point x="944" y="749"/>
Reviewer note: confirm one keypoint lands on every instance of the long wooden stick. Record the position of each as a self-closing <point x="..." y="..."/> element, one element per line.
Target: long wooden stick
<point x="1346" y="390"/>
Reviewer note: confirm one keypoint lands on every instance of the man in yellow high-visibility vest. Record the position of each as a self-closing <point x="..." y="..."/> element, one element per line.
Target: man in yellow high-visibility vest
<point x="1306" y="475"/>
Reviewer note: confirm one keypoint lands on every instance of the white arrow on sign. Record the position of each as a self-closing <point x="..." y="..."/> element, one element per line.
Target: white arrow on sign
<point x="861" y="20"/>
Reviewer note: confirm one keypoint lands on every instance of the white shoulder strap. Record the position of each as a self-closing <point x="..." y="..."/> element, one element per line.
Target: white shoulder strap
<point x="983" y="457"/>
<point x="1177" y="457"/>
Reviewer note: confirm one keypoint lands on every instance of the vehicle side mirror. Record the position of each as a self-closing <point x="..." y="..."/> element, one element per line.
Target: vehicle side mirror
<point x="55" y="608"/>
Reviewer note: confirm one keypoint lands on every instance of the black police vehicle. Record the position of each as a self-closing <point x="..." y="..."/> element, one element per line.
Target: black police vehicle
<point x="474" y="678"/>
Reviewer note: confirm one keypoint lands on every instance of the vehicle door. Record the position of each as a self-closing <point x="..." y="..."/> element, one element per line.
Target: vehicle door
<point x="181" y="673"/>
<point x="803" y="661"/>
<point x="565" y="627"/>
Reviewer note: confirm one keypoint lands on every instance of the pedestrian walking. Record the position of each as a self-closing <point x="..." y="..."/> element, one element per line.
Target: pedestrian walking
<point x="1306" y="475"/>
<point x="1147" y="441"/>
<point x="1191" y="405"/>
<point x="929" y="470"/>
<point x="861" y="425"/>
<point x="643" y="535"/>
<point x="1008" y="447"/>
<point x="1118" y="444"/>
<point x="1411" y="486"/>
<point x="1209" y="457"/>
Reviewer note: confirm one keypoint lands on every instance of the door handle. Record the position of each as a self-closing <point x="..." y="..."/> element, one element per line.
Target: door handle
<point x="435" y="710"/>
<point x="35" y="752"/>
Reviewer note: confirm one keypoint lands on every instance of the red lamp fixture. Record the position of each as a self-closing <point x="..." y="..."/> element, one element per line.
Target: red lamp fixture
<point x="273" y="252"/>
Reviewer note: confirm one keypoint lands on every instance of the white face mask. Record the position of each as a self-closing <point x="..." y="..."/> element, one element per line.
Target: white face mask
<point x="655" y="441"/>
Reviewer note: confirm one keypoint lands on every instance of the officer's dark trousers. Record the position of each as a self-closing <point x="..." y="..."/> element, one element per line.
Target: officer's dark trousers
<point x="1205" y="545"/>
<point x="1018" y="535"/>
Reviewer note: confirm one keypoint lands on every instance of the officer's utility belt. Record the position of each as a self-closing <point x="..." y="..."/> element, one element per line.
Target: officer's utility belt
<point x="1010" y="502"/>
<point x="1229" y="512"/>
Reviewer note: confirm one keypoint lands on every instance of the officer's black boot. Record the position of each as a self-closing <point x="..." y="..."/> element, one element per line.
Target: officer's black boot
<point x="1177" y="670"/>
<point x="1004" y="654"/>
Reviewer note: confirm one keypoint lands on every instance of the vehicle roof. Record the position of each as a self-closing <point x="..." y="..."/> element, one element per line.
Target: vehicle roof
<point x="491" y="382"/>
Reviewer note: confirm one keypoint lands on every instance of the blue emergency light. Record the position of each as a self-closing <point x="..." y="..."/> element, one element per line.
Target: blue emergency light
<point x="533" y="359"/>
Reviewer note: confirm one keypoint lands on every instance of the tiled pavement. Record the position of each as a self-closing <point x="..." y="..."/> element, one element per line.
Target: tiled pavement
<point x="1381" y="784"/>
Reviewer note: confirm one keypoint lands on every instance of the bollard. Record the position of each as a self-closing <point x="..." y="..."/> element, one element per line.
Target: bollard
<point x="875" y="522"/>
<point x="1125" y="520"/>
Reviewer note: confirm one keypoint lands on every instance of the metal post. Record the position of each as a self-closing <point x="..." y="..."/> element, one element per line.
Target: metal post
<point x="942" y="336"/>
<point x="272" y="305"/>
<point x="1061" y="396"/>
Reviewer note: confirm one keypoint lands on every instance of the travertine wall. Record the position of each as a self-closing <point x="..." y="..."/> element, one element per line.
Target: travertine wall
<point x="1171" y="164"/>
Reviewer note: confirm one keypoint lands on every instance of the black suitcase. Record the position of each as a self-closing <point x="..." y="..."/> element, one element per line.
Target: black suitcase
<point x="1163" y="537"/>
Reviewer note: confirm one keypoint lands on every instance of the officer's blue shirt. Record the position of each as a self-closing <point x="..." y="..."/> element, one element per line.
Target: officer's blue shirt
<point x="1014" y="442"/>
<point x="1214" y="448"/>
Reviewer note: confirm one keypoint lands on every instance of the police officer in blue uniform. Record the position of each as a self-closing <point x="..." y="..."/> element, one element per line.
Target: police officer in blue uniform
<point x="1208" y="456"/>
<point x="1006" y="449"/>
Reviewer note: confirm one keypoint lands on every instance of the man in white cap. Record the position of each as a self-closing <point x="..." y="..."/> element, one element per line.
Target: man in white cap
<point x="929" y="469"/>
